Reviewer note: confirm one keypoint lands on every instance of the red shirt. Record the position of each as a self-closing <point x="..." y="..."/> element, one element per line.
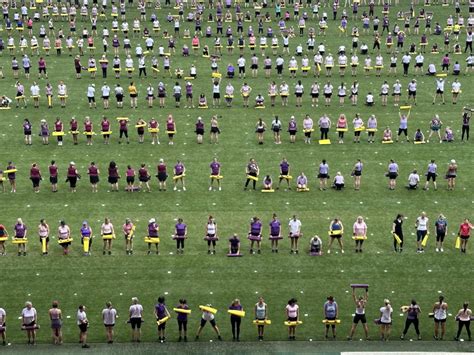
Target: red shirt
<point x="465" y="229"/>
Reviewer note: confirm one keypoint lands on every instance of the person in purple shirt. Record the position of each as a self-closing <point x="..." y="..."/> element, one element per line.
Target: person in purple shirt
<point x="284" y="173"/>
<point x="153" y="232"/>
<point x="181" y="231"/>
<point x="234" y="245"/>
<point x="275" y="232"/>
<point x="199" y="129"/>
<point x="179" y="174"/>
<point x="182" y="320"/>
<point x="235" y="320"/>
<point x="255" y="234"/>
<point x="215" y="174"/>
<point x="20" y="232"/>
<point x="161" y="312"/>
<point x="11" y="176"/>
<point x="27" y="127"/>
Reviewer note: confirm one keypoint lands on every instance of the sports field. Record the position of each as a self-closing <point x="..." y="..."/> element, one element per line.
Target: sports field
<point x="216" y="279"/>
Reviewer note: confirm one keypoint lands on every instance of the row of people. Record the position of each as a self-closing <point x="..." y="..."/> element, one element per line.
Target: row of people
<point x="252" y="174"/>
<point x="255" y="235"/>
<point x="260" y="315"/>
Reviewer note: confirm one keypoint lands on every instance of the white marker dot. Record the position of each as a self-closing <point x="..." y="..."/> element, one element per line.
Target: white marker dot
<point x="211" y="293"/>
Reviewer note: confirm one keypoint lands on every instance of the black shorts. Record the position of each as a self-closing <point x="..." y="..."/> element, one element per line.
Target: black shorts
<point x="215" y="130"/>
<point x="94" y="179"/>
<point x="359" y="318"/>
<point x="322" y="176"/>
<point x="143" y="178"/>
<point x="440" y="320"/>
<point x="392" y="176"/>
<point x="162" y="177"/>
<point x="431" y="176"/>
<point x="91" y="99"/>
<point x="83" y="327"/>
<point x="440" y="92"/>
<point x="327" y="95"/>
<point x="53" y="179"/>
<point x="203" y="322"/>
<point x="314" y="95"/>
<point x="130" y="180"/>
<point x="161" y="326"/>
<point x="298" y="94"/>
<point x="420" y="235"/>
<point x="35" y="181"/>
<point x="216" y="95"/>
<point x="200" y="131"/>
<point x="112" y="179"/>
<point x="411" y="93"/>
<point x="136" y="323"/>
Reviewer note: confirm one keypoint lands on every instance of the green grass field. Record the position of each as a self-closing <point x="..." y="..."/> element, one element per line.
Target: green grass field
<point x="216" y="279"/>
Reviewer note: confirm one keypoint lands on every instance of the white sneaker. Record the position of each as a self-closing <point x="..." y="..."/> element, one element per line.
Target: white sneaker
<point x="329" y="251"/>
<point x="441" y="250"/>
<point x="175" y="188"/>
<point x="220" y="188"/>
<point x="184" y="189"/>
<point x="210" y="188"/>
<point x="342" y="251"/>
<point x="437" y="250"/>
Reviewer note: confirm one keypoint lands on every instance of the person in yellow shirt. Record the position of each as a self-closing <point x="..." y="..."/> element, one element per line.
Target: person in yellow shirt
<point x="132" y="90"/>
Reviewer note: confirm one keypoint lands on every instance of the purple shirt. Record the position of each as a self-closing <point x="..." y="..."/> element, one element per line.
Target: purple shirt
<point x="153" y="230"/>
<point x="160" y="309"/>
<point x="275" y="227"/>
<point x="180" y="229"/>
<point x="256" y="228"/>
<point x="215" y="167"/>
<point x="178" y="169"/>
<point x="20" y="230"/>
<point x="284" y="167"/>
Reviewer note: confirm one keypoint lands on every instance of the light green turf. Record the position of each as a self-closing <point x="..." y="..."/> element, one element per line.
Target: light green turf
<point x="195" y="275"/>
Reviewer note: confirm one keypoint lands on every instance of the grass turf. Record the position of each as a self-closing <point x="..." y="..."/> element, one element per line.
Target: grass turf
<point x="195" y="275"/>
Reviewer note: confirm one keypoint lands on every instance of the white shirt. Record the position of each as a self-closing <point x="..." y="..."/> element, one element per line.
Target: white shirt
<point x="386" y="314"/>
<point x="105" y="90"/>
<point x="241" y="62"/>
<point x="136" y="311"/>
<point x="413" y="179"/>
<point x="207" y="316"/>
<point x="109" y="315"/>
<point x="456" y="86"/>
<point x="411" y="86"/>
<point x="28" y="314"/>
<point x="370" y="98"/>
<point x="397" y="88"/>
<point x="295" y="226"/>
<point x="81" y="317"/>
<point x="90" y="91"/>
<point x="339" y="180"/>
<point x="419" y="58"/>
<point x="422" y="223"/>
<point x="35" y="90"/>
<point x="3" y="314"/>
<point x="440" y="84"/>
<point x="406" y="59"/>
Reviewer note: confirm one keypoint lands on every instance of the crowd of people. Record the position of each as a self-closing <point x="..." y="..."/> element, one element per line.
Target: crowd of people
<point x="260" y="314"/>
<point x="256" y="235"/>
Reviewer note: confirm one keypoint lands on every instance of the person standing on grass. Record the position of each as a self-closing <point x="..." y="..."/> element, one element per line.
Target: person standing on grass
<point x="255" y="234"/>
<point x="20" y="232"/>
<point x="441" y="226"/>
<point x="179" y="174"/>
<point x="43" y="233"/>
<point x="392" y="174"/>
<point x="208" y="317"/>
<point x="397" y="230"/>
<point x="422" y="231"/>
<point x="135" y="319"/>
<point x="235" y="320"/>
<point x="336" y="230"/>
<point x="261" y="314"/>
<point x="275" y="232"/>
<point x="128" y="229"/>
<point x="161" y="312"/>
<point x="359" y="316"/>
<point x="162" y="175"/>
<point x="357" y="173"/>
<point x="83" y="324"/>
<point x="55" y="315"/>
<point x="385" y="320"/>
<point x="109" y="315"/>
<point x="451" y="174"/>
<point x="464" y="233"/>
<point x="431" y="175"/>
<point x="466" y="117"/>
<point x="331" y="313"/>
<point x="440" y="314"/>
<point x="3" y="331"/>
<point x="29" y="320"/>
<point x="359" y="230"/>
<point x="252" y="170"/>
<point x="292" y="315"/>
<point x="412" y="311"/>
<point x="3" y="234"/>
<point x="181" y="233"/>
<point x="295" y="233"/>
<point x="323" y="175"/>
<point x="403" y="126"/>
<point x="260" y="128"/>
<point x="107" y="230"/>
<point x="113" y="176"/>
<point x="182" y="320"/>
<point x="35" y="177"/>
<point x="284" y="171"/>
<point x="464" y="320"/>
